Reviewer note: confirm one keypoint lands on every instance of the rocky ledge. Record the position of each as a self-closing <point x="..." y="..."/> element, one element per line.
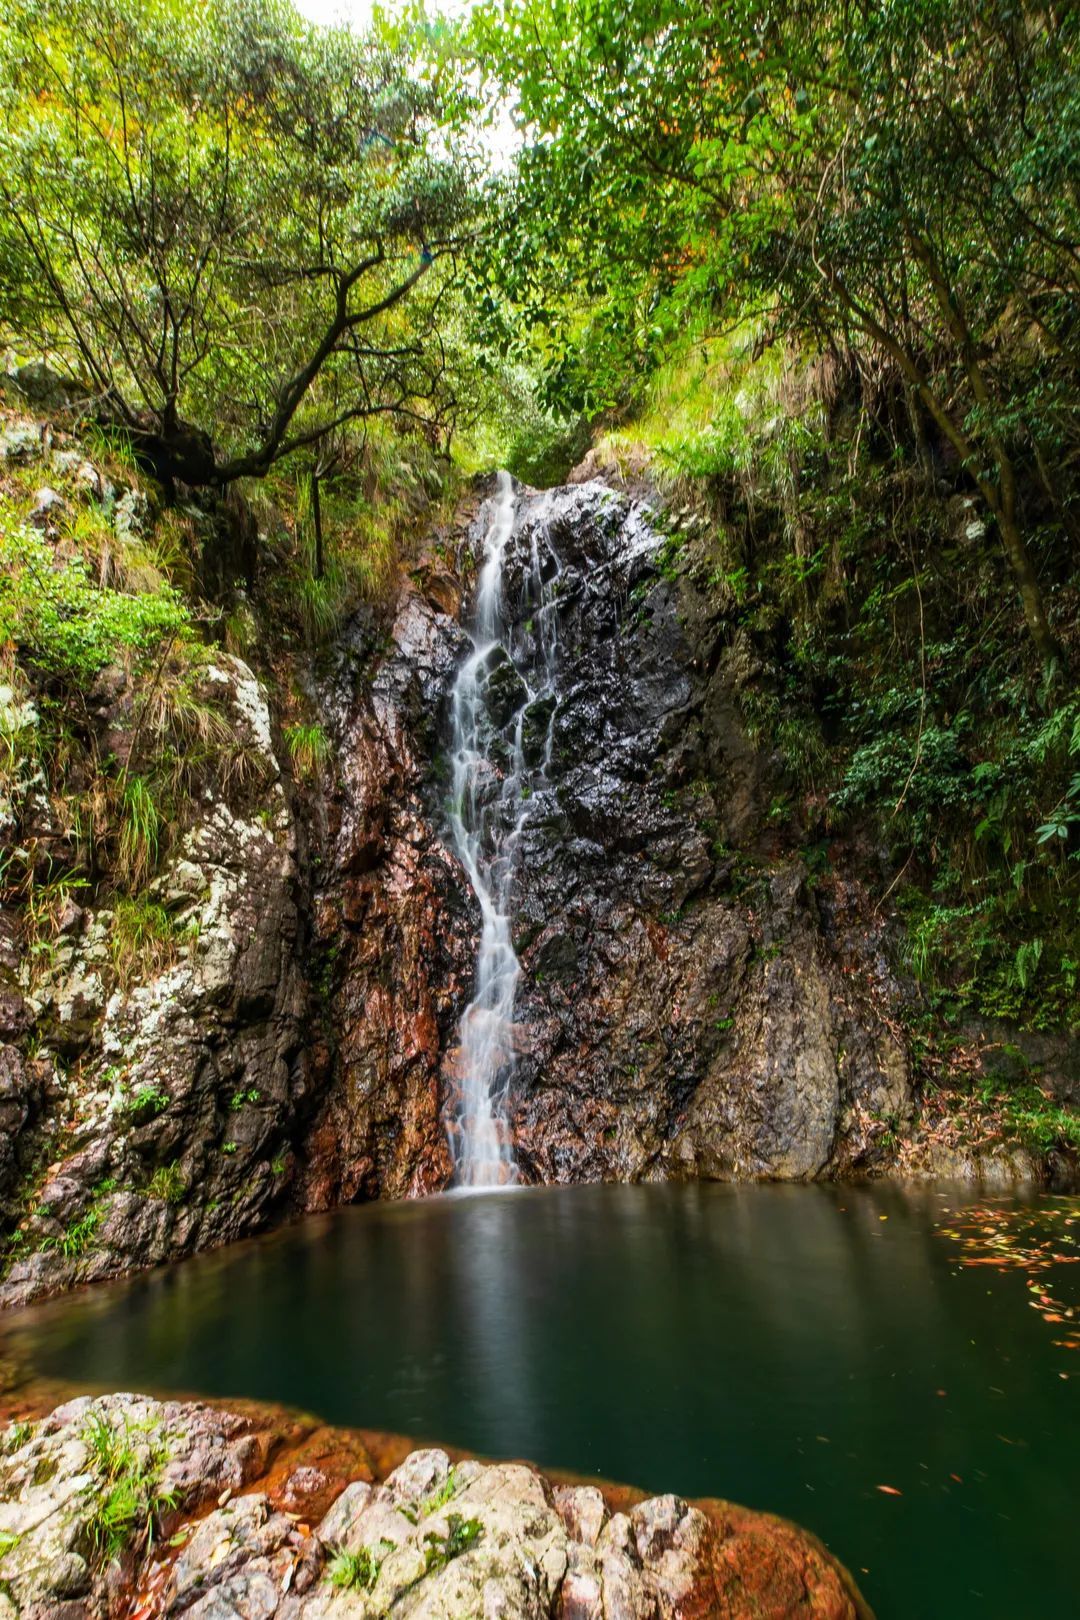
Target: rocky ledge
<point x="123" y="1506"/>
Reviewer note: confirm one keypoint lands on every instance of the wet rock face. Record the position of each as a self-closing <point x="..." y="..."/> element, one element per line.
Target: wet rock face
<point x="432" y="1542"/>
<point x="692" y="1002"/>
<point x="687" y="1012"/>
<point x="393" y="917"/>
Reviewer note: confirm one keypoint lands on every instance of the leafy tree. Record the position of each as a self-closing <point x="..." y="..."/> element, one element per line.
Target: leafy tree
<point x="239" y="230"/>
<point x="901" y="177"/>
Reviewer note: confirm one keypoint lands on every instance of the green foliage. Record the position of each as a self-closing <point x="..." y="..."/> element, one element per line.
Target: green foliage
<point x="77" y="634"/>
<point x="168" y="1183"/>
<point x="999" y="956"/>
<point x="18" y="1435"/>
<point x="886" y="673"/>
<point x="358" y="1570"/>
<point x="143" y="939"/>
<point x="969" y="802"/>
<point x="240" y="228"/>
<point x="863" y="177"/>
<point x="461" y="1534"/>
<point x="545" y="447"/>
<point x="240" y="1099"/>
<point x="440" y="1497"/>
<point x="140" y="825"/>
<point x="145" y="1103"/>
<point x="1035" y="1119"/>
<point x="113" y="446"/>
<point x="66" y="626"/>
<point x="76" y="1238"/>
<point x="45" y="901"/>
<point x="129" y="1460"/>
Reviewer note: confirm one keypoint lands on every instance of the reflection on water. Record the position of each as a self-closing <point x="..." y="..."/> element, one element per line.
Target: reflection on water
<point x="793" y="1348"/>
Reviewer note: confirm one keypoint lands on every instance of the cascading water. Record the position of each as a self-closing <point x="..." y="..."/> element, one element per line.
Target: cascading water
<point x="508" y="677"/>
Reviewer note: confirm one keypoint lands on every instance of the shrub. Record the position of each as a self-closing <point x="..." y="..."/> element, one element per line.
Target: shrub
<point x="145" y="1104"/>
<point x="168" y="1183"/>
<point x="140" y="825"/>
<point x="546" y="448"/>
<point x="358" y="1570"/>
<point x="65" y="625"/>
<point x="76" y="1239"/>
<point x="461" y="1533"/>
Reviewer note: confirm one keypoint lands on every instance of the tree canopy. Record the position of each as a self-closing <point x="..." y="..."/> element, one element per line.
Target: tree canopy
<point x="902" y="179"/>
<point x="239" y="230"/>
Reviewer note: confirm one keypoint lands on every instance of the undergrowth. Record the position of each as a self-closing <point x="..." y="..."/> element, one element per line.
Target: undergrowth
<point x="110" y="701"/>
<point x="308" y="748"/>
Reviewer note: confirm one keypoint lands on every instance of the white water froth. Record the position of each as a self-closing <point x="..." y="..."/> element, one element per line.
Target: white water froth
<point x="491" y="793"/>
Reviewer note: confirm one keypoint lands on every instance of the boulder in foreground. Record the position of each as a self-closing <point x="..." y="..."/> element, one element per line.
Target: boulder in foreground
<point x="123" y="1506"/>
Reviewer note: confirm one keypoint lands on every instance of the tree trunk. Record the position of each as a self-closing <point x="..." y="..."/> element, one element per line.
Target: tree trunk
<point x="1046" y="643"/>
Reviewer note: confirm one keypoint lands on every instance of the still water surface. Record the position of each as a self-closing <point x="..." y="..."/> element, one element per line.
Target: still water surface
<point x="786" y="1347"/>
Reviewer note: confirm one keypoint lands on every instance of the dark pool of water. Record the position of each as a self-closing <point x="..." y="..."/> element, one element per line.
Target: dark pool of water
<point x="783" y="1346"/>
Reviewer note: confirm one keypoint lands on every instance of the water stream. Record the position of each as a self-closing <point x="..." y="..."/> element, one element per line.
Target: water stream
<point x="508" y="677"/>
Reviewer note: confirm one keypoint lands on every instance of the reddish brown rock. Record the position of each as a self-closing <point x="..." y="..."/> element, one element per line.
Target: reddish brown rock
<point x="392" y="917"/>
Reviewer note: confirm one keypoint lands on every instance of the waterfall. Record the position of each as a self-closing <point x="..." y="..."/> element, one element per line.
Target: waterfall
<point x="506" y="680"/>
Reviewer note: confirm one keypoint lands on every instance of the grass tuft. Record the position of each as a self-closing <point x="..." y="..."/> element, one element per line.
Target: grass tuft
<point x="308" y="747"/>
<point x="358" y="1571"/>
<point x="129" y="1459"/>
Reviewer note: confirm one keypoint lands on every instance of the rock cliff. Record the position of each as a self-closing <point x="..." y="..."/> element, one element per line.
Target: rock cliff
<point x="695" y="999"/>
<point x="159" y="1117"/>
